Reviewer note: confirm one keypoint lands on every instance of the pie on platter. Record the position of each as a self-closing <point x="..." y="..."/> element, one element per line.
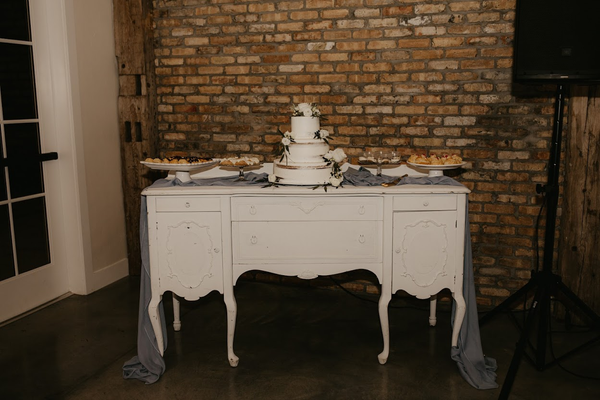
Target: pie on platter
<point x="181" y="165"/>
<point x="435" y="165"/>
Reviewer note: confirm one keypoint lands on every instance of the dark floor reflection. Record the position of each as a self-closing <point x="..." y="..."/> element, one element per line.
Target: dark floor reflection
<point x="293" y="343"/>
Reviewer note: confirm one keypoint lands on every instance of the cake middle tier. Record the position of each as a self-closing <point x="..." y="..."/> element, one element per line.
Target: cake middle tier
<point x="310" y="152"/>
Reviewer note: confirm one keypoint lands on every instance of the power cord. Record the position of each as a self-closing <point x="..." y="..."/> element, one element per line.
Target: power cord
<point x="594" y="378"/>
<point x="376" y="302"/>
<point x="549" y="327"/>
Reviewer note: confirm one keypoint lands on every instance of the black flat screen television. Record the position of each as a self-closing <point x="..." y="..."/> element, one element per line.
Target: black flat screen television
<point x="557" y="40"/>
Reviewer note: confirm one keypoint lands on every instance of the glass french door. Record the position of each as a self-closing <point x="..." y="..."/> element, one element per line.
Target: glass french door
<point x="29" y="276"/>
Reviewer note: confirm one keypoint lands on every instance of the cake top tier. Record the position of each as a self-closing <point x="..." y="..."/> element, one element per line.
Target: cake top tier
<point x="304" y="128"/>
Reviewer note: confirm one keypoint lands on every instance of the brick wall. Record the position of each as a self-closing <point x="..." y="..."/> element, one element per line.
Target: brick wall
<point x="408" y="75"/>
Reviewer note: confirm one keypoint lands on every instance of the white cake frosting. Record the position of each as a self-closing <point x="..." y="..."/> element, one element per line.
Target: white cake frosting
<point x="302" y="162"/>
<point x="304" y="128"/>
<point x="306" y="153"/>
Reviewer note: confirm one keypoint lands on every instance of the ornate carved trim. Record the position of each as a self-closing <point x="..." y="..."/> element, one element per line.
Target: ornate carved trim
<point x="424" y="279"/>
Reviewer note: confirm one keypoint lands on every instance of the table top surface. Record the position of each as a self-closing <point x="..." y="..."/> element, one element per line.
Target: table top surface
<point x="257" y="189"/>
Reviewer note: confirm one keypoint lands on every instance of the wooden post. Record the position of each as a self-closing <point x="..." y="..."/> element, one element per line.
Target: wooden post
<point x="137" y="104"/>
<point x="579" y="245"/>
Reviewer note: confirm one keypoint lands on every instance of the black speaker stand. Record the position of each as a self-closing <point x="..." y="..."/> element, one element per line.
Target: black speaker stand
<point x="545" y="284"/>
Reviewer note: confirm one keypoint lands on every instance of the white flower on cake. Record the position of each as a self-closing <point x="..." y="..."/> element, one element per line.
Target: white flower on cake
<point x="336" y="155"/>
<point x="339" y="155"/>
<point x="306" y="110"/>
<point x="335" y="158"/>
<point x="287" y="138"/>
<point x="336" y="181"/>
<point x="322" y="134"/>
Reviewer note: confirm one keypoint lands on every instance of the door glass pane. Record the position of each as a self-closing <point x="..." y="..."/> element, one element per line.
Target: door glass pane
<point x="17" y="85"/>
<point x="7" y="268"/>
<point x="23" y="145"/>
<point x="14" y="20"/>
<point x="31" y="234"/>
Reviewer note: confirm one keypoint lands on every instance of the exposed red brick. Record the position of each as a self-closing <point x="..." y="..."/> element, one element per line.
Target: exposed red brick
<point x="415" y="76"/>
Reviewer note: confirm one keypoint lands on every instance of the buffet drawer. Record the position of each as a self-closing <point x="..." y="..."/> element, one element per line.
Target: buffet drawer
<point x="307" y="242"/>
<point x="431" y="202"/>
<point x="176" y="203"/>
<point x="306" y="208"/>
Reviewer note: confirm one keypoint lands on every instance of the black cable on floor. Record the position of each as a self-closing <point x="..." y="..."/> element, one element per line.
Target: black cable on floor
<point x="376" y="302"/>
<point x="594" y="378"/>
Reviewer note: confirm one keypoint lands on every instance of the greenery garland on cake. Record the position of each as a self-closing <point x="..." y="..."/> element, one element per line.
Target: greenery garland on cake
<point x="286" y="140"/>
<point x="335" y="158"/>
<point x="306" y="110"/>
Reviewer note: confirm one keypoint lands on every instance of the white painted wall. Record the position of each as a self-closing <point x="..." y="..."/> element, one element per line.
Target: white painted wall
<point x="94" y="84"/>
<point x="76" y="81"/>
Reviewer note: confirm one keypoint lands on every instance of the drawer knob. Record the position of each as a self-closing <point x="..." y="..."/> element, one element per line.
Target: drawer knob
<point x="217" y="250"/>
<point x="252" y="210"/>
<point x="187" y="204"/>
<point x="398" y="251"/>
<point x="361" y="210"/>
<point x="425" y="203"/>
<point x="361" y="238"/>
<point x="253" y="239"/>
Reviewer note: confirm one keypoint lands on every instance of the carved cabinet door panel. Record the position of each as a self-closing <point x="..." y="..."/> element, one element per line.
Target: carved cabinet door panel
<point x="424" y="252"/>
<point x="190" y="253"/>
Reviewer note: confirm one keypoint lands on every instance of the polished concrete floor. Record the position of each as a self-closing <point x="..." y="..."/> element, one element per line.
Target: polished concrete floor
<point x="293" y="343"/>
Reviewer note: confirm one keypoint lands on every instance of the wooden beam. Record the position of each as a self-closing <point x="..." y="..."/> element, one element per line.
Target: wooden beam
<point x="579" y="245"/>
<point x="137" y="105"/>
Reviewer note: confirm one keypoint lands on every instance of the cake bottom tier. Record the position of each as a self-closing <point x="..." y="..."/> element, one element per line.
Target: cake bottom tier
<point x="302" y="175"/>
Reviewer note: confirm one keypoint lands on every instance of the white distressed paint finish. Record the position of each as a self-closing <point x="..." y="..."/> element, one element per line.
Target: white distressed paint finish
<point x="411" y="237"/>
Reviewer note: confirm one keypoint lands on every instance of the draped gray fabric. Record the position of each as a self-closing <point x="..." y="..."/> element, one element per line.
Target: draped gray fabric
<point x="474" y="367"/>
<point x="477" y="369"/>
<point x="148" y="365"/>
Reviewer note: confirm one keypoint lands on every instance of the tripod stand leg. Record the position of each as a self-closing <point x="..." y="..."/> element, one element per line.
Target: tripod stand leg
<point x="578" y="303"/>
<point x="505" y="305"/>
<point x="520" y="350"/>
<point x="543" y="310"/>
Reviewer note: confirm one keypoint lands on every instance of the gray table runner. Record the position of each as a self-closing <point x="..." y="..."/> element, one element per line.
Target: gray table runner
<point x="477" y="369"/>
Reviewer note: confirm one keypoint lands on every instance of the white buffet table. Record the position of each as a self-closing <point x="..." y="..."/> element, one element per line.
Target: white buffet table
<point x="202" y="238"/>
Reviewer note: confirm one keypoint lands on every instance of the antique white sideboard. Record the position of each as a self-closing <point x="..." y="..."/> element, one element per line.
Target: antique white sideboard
<point x="202" y="238"/>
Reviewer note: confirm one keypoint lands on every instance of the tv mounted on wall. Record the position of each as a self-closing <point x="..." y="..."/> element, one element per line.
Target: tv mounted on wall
<point x="557" y="40"/>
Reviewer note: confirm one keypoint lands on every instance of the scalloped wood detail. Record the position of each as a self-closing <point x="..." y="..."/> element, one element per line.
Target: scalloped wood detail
<point x="420" y="261"/>
<point x="190" y="253"/>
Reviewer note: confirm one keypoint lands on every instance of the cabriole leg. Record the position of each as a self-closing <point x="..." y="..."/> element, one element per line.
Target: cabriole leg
<point x="176" y="314"/>
<point x="459" y="316"/>
<point x="432" y="310"/>
<point x="384" y="300"/>
<point x="156" y="322"/>
<point x="231" y="306"/>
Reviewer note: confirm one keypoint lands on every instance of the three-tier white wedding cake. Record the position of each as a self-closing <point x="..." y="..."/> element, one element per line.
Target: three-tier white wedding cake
<point x="306" y="158"/>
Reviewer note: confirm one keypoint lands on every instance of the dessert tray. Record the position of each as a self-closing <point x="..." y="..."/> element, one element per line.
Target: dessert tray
<point x="239" y="164"/>
<point x="436" y="170"/>
<point x="379" y="159"/>
<point x="182" y="171"/>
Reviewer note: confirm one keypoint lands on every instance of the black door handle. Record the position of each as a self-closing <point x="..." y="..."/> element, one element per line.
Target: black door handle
<point x="8" y="162"/>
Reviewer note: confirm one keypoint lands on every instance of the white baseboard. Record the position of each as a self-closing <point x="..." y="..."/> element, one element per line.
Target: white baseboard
<point x="109" y="274"/>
